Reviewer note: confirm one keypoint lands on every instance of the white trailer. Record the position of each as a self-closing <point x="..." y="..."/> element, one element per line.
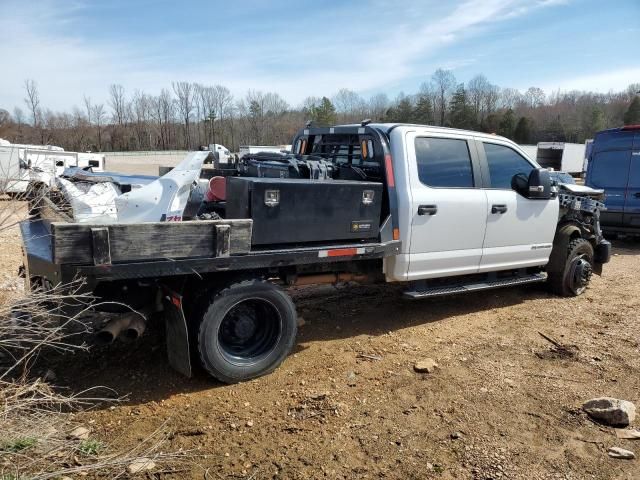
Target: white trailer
<point x="21" y="164"/>
<point x="564" y="157"/>
<point x="97" y="162"/>
<point x="221" y="152"/>
<point x="13" y="178"/>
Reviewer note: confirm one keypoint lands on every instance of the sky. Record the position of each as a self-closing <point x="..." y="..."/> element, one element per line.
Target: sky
<point x="301" y="48"/>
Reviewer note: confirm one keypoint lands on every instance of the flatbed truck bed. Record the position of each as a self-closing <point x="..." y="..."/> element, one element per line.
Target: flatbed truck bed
<point x="54" y="252"/>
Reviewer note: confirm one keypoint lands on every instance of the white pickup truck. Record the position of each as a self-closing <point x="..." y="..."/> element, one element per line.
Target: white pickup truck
<point x="443" y="211"/>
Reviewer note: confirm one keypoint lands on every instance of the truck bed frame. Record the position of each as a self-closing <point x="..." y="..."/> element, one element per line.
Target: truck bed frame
<point x="58" y="252"/>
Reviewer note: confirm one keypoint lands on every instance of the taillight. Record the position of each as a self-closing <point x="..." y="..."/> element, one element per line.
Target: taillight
<point x="388" y="166"/>
<point x="631" y="127"/>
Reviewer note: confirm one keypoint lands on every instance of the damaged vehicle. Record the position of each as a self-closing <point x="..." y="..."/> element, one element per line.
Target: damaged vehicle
<point x="441" y="211"/>
<point x="115" y="198"/>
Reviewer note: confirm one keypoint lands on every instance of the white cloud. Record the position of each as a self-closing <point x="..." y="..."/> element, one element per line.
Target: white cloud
<point x="40" y="43"/>
<point x="603" y="82"/>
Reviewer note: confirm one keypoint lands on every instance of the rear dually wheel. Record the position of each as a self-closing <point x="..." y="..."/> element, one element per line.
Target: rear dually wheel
<point x="246" y="331"/>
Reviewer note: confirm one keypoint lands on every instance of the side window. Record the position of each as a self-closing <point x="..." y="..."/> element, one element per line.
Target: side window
<point x="610" y="169"/>
<point x="504" y="163"/>
<point x="444" y="162"/>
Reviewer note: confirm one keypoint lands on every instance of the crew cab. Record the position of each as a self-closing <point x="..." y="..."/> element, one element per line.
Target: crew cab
<point x="440" y="210"/>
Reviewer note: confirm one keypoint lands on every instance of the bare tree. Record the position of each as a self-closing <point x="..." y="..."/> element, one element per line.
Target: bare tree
<point x="200" y="115"/>
<point x="32" y="100"/>
<point x="117" y="102"/>
<point x="184" y="92"/>
<point x="222" y="99"/>
<point x="349" y="105"/>
<point x="477" y="89"/>
<point x="162" y="112"/>
<point x="255" y="113"/>
<point x="510" y="98"/>
<point x="18" y="116"/>
<point x="534" y="96"/>
<point x="140" y="112"/>
<point x="490" y="100"/>
<point x="444" y="81"/>
<point x="98" y="115"/>
<point x="88" y="108"/>
<point x="378" y="105"/>
<point x="167" y="121"/>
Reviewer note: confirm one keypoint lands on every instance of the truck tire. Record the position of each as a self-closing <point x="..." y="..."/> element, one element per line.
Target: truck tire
<point x="246" y="331"/>
<point x="573" y="278"/>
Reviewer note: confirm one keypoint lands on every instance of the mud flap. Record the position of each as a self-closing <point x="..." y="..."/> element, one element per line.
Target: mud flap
<point x="602" y="256"/>
<point x="177" y="333"/>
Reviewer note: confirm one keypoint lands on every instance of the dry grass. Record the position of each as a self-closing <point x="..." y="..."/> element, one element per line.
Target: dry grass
<point x="37" y="418"/>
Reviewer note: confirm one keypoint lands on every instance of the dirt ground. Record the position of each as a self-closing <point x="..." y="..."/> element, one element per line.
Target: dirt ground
<point x="143" y="164"/>
<point x="503" y="403"/>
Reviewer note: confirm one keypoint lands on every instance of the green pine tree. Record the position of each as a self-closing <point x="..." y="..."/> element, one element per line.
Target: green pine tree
<point x="522" y="132"/>
<point x="324" y="113"/>
<point x="555" y="131"/>
<point x="491" y="123"/>
<point x="402" y="112"/>
<point x="632" y="115"/>
<point x="593" y="122"/>
<point x="423" y="113"/>
<point x="461" y="113"/>
<point x="507" y="125"/>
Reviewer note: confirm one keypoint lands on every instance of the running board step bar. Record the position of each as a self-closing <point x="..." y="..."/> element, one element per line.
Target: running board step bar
<point x="475" y="286"/>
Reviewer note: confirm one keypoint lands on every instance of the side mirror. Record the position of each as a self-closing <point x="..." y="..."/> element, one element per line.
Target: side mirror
<point x="520" y="183"/>
<point x="539" y="184"/>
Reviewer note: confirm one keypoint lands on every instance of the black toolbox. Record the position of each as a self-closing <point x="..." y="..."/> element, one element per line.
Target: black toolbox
<point x="293" y="211"/>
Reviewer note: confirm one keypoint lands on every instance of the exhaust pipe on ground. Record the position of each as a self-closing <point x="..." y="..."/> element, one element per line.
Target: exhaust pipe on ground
<point x="135" y="329"/>
<point x="128" y="326"/>
<point x="112" y="329"/>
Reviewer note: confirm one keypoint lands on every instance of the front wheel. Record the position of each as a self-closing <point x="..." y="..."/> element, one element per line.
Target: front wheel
<point x="247" y="331"/>
<point x="572" y="280"/>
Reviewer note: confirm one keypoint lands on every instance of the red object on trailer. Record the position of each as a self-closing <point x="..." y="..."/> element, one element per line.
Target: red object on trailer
<point x="217" y="189"/>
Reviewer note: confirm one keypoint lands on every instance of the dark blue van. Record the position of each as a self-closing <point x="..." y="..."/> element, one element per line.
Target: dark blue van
<point x="614" y="165"/>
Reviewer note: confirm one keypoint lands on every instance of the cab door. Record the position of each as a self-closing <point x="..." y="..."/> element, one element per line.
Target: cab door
<point x="448" y="207"/>
<point x="520" y="230"/>
<point x="632" y="202"/>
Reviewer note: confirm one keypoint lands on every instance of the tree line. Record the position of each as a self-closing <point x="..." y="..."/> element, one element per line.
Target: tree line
<point x="188" y="115"/>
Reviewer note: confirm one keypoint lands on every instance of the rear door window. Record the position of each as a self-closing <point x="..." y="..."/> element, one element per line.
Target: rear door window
<point x="610" y="169"/>
<point x="504" y="163"/>
<point x="444" y="162"/>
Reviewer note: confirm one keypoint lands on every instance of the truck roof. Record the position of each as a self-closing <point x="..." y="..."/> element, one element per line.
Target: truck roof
<point x="388" y="127"/>
<point x="625" y="128"/>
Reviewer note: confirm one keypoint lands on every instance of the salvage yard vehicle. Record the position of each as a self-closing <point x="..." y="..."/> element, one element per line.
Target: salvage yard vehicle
<point x="614" y="165"/>
<point x="442" y="211"/>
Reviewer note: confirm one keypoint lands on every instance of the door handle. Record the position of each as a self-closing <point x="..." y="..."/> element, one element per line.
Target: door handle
<point x="498" y="209"/>
<point x="427" y="209"/>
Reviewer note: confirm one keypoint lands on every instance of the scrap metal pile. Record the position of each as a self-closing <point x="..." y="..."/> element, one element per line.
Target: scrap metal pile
<point x="114" y="198"/>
